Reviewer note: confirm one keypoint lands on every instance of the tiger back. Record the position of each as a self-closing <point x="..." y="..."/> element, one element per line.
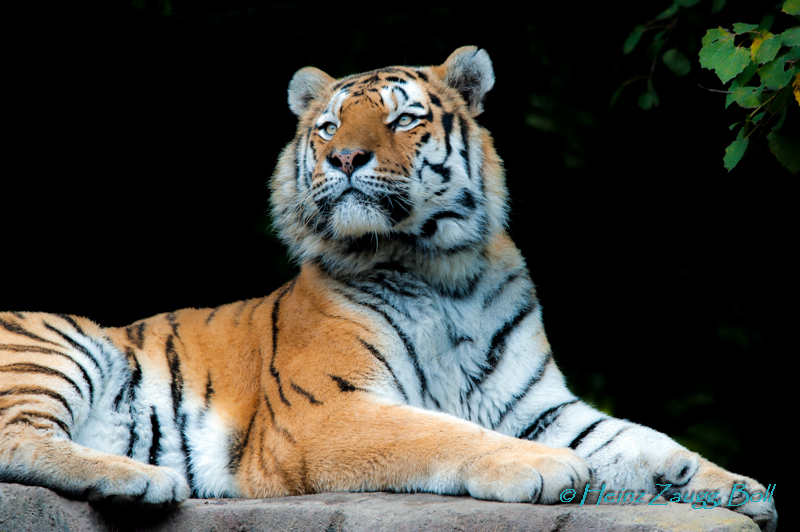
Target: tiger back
<point x="408" y="355"/>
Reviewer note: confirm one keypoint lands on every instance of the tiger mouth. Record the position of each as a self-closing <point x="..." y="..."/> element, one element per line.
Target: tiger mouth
<point x="355" y="214"/>
<point x="354" y="195"/>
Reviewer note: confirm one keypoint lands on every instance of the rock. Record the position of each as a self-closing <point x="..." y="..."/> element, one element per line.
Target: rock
<point x="39" y="509"/>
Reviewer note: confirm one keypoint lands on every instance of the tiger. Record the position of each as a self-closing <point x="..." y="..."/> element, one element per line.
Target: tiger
<point x="408" y="355"/>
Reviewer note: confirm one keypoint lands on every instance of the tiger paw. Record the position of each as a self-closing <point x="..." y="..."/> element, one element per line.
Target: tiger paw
<point x="733" y="492"/>
<point x="538" y="474"/>
<point x="146" y="486"/>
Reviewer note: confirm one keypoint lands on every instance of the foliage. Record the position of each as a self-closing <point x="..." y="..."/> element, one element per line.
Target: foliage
<point x="761" y="67"/>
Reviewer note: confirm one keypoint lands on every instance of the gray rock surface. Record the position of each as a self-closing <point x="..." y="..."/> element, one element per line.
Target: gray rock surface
<point x="39" y="509"/>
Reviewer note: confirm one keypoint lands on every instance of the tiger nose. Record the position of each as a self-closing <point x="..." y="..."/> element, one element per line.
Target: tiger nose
<point x="348" y="161"/>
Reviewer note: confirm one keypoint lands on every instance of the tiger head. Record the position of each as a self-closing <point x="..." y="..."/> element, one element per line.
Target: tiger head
<point x="390" y="166"/>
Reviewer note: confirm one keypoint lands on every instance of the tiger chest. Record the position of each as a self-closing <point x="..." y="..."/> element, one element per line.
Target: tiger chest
<point x="446" y="351"/>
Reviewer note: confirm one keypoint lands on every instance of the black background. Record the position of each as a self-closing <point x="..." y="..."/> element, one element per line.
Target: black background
<point x="142" y="140"/>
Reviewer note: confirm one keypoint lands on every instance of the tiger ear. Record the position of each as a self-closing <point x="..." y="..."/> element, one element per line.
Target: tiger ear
<point x="469" y="71"/>
<point x="307" y="84"/>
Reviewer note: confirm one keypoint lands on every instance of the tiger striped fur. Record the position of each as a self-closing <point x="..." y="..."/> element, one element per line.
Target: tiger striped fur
<point x="408" y="355"/>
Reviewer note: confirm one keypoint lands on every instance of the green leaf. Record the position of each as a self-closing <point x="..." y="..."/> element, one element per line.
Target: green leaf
<point x="671" y="10"/>
<point x="677" y="62"/>
<point x="717" y="5"/>
<point x="765" y="50"/>
<point x="747" y="74"/>
<point x="720" y="54"/>
<point x="730" y="128"/>
<point x="740" y="27"/>
<point x="687" y="3"/>
<point x="748" y="97"/>
<point x="786" y="149"/>
<point x="713" y="34"/>
<point x="734" y="152"/>
<point x="633" y="39"/>
<point x="646" y="101"/>
<point x="773" y="75"/>
<point x="792" y="7"/>
<point x="781" y="98"/>
<point x="791" y="37"/>
<point x="653" y="49"/>
<point x="758" y="117"/>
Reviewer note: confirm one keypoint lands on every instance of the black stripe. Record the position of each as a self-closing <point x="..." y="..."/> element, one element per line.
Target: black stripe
<point x="176" y="383"/>
<point x="72" y="322"/>
<point x="275" y="315"/>
<point x="77" y="346"/>
<point x="609" y="440"/>
<point x="253" y="310"/>
<point x="23" y="367"/>
<point x="431" y="225"/>
<point x="434" y="99"/>
<point x="237" y="445"/>
<point x="447" y="124"/>
<point x="269" y="409"/>
<point x="509" y="406"/>
<point x="211" y="316"/>
<point x="497" y="345"/>
<point x="377" y="354"/>
<point x="499" y="289"/>
<point x="19" y="315"/>
<point x="16" y="329"/>
<point x="280" y="429"/>
<point x="155" y="447"/>
<point x="306" y="394"/>
<point x="459" y="291"/>
<point x="588" y="430"/>
<point x="543" y="421"/>
<point x="132" y="384"/>
<point x="209" y="391"/>
<point x="17" y="404"/>
<point x="401" y="91"/>
<point x="465" y="141"/>
<point x="187" y="455"/>
<point x="345" y="385"/>
<point x="135" y="334"/>
<point x="31" y="390"/>
<point x="133" y="437"/>
<point x="239" y="311"/>
<point x="20" y="418"/>
<point x="440" y="169"/>
<point x="412" y="354"/>
<point x="44" y="350"/>
<point x="171" y="319"/>
<point x="466" y="199"/>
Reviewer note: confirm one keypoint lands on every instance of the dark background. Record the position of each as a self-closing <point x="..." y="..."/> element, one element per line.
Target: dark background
<point x="144" y="135"/>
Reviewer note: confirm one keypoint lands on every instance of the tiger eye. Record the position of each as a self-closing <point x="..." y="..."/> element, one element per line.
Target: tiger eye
<point x="330" y="129"/>
<point x="404" y="120"/>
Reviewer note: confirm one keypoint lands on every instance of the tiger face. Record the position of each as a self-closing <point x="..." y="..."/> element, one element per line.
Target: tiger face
<point x="390" y="165"/>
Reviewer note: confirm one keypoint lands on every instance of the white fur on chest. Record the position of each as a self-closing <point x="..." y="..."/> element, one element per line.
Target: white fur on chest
<point x="477" y="354"/>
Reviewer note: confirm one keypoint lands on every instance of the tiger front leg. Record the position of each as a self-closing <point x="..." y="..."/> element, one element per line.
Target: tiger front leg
<point x="630" y="457"/>
<point x="373" y="447"/>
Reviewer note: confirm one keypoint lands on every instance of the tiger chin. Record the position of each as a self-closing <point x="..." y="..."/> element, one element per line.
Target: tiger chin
<point x="408" y="355"/>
